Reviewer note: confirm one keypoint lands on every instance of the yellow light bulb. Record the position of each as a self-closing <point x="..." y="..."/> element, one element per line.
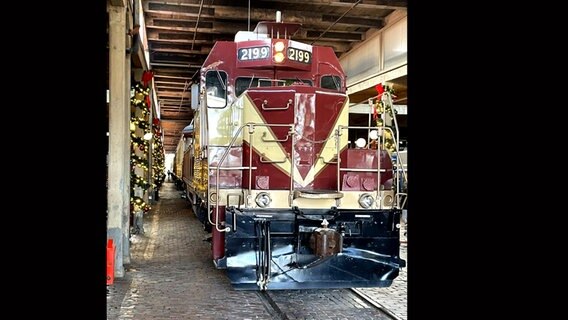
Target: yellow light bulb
<point x="279" y="46"/>
<point x="279" y="57"/>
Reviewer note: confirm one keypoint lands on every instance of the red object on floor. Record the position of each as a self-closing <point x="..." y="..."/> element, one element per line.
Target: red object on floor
<point x="110" y="261"/>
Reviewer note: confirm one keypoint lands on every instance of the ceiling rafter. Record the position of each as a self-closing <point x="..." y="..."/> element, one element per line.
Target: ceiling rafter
<point x="175" y="57"/>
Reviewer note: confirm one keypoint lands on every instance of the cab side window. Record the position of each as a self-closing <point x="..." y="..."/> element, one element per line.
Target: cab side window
<point x="331" y="82"/>
<point x="216" y="88"/>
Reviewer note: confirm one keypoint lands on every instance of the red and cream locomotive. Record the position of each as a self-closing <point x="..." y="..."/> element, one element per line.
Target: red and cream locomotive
<point x="270" y="171"/>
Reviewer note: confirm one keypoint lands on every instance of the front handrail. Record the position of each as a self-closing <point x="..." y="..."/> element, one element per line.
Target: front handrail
<point x="388" y="97"/>
<point x="251" y="126"/>
<point x="379" y="149"/>
<point x="378" y="171"/>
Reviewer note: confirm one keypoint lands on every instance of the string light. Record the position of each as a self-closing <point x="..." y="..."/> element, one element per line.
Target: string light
<point x="381" y="108"/>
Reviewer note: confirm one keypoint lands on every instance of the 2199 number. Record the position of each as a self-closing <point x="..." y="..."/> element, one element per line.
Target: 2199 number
<point x="299" y="55"/>
<point x="253" y="53"/>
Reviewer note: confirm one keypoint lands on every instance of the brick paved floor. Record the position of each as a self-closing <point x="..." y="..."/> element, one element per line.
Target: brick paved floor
<point x="393" y="298"/>
<point x="172" y="277"/>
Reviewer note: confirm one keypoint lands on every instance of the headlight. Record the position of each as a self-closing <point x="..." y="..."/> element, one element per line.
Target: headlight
<point x="388" y="200"/>
<point x="263" y="199"/>
<point x="366" y="200"/>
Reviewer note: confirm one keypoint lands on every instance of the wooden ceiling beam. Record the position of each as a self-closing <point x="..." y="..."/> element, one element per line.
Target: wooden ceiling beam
<point x="180" y="51"/>
<point x="201" y="28"/>
<point x="172" y="57"/>
<point x="181" y="9"/>
<point x="174" y="72"/>
<point x="164" y="87"/>
<point x="171" y="105"/>
<point x="182" y="35"/>
<point x="331" y="36"/>
<point x="173" y="125"/>
<point x="173" y="94"/>
<point x="175" y="102"/>
<point x="158" y="23"/>
<point x="235" y="13"/>
<point x="181" y="83"/>
<point x="176" y="119"/>
<point x="365" y="4"/>
<point x="182" y="41"/>
<point x="367" y="22"/>
<point x="175" y="110"/>
<point x="172" y="77"/>
<point x="369" y="4"/>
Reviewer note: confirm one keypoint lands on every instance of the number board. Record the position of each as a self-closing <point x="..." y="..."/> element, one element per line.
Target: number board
<point x="253" y="53"/>
<point x="299" y="55"/>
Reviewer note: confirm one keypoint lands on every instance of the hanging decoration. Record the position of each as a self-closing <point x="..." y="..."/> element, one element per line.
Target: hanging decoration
<point x="383" y="107"/>
<point x="147" y="76"/>
<point x="158" y="164"/>
<point x="137" y="204"/>
<point x="139" y="126"/>
<point x="138" y="161"/>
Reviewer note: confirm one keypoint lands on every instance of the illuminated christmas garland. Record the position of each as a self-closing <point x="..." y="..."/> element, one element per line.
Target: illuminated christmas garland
<point x="381" y="108"/>
<point x="138" y="142"/>
<point x="138" y="204"/>
<point x="139" y="161"/>
<point x="144" y="125"/>
<point x="139" y="181"/>
<point x="158" y="165"/>
<point x="140" y="100"/>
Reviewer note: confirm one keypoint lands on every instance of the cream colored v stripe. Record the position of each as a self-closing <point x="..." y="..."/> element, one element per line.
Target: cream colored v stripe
<point x="270" y="151"/>
<point x="329" y="150"/>
<point x="273" y="151"/>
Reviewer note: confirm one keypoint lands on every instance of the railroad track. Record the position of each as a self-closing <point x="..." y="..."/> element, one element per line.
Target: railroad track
<point x="271" y="306"/>
<point x="374" y="303"/>
<point x="323" y="304"/>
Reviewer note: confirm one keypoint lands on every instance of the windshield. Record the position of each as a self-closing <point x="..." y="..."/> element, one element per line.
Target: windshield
<point x="244" y="83"/>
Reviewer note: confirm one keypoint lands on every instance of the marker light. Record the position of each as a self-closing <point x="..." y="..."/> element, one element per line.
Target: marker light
<point x="278" y="49"/>
<point x="279" y="46"/>
<point x="279" y="57"/>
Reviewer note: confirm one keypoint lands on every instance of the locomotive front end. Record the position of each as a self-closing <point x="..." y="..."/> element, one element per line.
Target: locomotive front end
<point x="292" y="202"/>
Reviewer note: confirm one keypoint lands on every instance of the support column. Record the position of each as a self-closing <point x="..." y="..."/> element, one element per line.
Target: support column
<point x="119" y="138"/>
<point x="127" y="148"/>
